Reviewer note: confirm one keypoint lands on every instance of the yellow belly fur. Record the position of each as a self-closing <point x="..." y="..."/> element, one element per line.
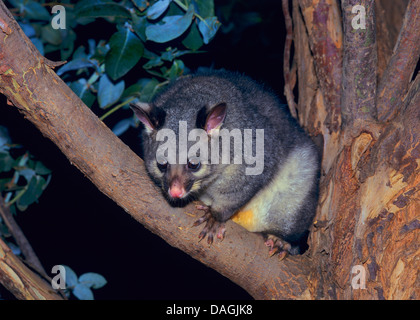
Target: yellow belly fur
<point x="245" y="218"/>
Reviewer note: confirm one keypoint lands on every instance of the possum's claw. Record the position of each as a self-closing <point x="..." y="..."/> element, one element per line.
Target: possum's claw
<point x="277" y="246"/>
<point x="212" y="228"/>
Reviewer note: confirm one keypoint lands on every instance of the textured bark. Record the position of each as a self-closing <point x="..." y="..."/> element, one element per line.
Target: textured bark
<point x="368" y="209"/>
<point x="20" y="280"/>
<point x="394" y="83"/>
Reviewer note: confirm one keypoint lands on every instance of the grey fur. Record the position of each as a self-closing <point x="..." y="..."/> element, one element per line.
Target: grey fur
<point x="226" y="188"/>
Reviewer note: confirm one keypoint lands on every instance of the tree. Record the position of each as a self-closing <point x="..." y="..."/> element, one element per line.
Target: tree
<point x="359" y="102"/>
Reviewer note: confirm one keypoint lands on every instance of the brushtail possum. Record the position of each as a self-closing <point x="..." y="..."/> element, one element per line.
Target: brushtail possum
<point x="253" y="163"/>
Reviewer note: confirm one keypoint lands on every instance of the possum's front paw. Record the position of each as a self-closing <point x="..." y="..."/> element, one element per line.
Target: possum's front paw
<point x="212" y="228"/>
<point x="277" y="246"/>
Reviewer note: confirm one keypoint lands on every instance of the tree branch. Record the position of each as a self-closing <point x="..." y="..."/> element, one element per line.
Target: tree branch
<point x="358" y="90"/>
<point x="323" y="24"/>
<point x="18" y="235"/>
<point x="21" y="281"/>
<point x="288" y="90"/>
<point x="45" y="100"/>
<point x="359" y="64"/>
<point x="393" y="85"/>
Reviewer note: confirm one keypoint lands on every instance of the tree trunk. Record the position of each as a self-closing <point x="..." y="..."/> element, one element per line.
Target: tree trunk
<point x="368" y="210"/>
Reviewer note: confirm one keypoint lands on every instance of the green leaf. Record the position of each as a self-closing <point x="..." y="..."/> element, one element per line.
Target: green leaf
<point x="176" y="70"/>
<point x="81" y="88"/>
<point x="33" y="191"/>
<point x="67" y="46"/>
<point x="170" y="54"/>
<point x="205" y="8"/>
<point x="108" y="92"/>
<point x="208" y="28"/>
<point x="193" y="40"/>
<point x="38" y="44"/>
<point x="41" y="169"/>
<point x="132" y="91"/>
<point x="35" y="11"/>
<point x="156" y="10"/>
<point x="82" y="292"/>
<point x="126" y="50"/>
<point x="122" y="126"/>
<point x="140" y="4"/>
<point x="100" y="52"/>
<point x="76" y="64"/>
<point x="149" y="88"/>
<point x="156" y="62"/>
<point x="4" y="138"/>
<point x="92" y="280"/>
<point x="71" y="277"/>
<point x="27" y="173"/>
<point x="28" y="29"/>
<point x="50" y="35"/>
<point x="6" y="162"/>
<point x="139" y="26"/>
<point x="100" y="8"/>
<point x="172" y="27"/>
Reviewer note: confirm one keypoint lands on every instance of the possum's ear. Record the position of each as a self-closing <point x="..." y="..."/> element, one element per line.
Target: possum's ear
<point x="152" y="117"/>
<point x="215" y="117"/>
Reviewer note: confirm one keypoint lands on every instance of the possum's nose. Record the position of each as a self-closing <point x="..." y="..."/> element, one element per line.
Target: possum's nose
<point x="176" y="189"/>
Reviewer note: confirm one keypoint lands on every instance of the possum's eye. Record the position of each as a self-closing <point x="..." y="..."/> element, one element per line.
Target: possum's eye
<point x="162" y="165"/>
<point x="194" y="164"/>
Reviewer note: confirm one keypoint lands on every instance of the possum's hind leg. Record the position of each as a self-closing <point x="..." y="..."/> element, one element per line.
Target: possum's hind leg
<point x="212" y="227"/>
<point x="278" y="246"/>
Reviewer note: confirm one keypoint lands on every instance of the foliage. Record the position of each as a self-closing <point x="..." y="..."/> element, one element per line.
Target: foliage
<point x="22" y="178"/>
<point x="82" y="286"/>
<point x="150" y="39"/>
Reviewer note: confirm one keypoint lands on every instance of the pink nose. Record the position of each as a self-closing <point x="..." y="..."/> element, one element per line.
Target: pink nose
<point x="176" y="190"/>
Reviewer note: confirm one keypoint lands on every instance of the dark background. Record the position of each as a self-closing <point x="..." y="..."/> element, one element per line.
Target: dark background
<point x="76" y="225"/>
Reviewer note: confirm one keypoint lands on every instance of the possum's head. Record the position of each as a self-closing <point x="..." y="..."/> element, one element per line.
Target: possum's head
<point x="169" y="154"/>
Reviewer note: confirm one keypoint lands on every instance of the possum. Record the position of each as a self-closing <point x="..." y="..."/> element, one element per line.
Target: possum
<point x="223" y="139"/>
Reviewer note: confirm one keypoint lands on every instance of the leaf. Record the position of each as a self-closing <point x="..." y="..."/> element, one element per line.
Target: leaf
<point x="126" y="50"/>
<point x="156" y="10"/>
<point x="156" y="62"/>
<point x="70" y="277"/>
<point x="34" y="190"/>
<point x="38" y="44"/>
<point x="40" y="168"/>
<point x="81" y="88"/>
<point x="139" y="26"/>
<point x="148" y="90"/>
<point x="76" y="64"/>
<point x="68" y="45"/>
<point x="4" y="138"/>
<point x="205" y="8"/>
<point x="27" y="29"/>
<point x="193" y="40"/>
<point x="172" y="27"/>
<point x="35" y="11"/>
<point x="108" y="92"/>
<point x="6" y="162"/>
<point x="140" y="4"/>
<point x="100" y="8"/>
<point x="50" y="35"/>
<point x="122" y="126"/>
<point x="171" y="54"/>
<point x="132" y="91"/>
<point x="27" y="173"/>
<point x="208" y="28"/>
<point x="82" y="292"/>
<point x="176" y="70"/>
<point x="92" y="280"/>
